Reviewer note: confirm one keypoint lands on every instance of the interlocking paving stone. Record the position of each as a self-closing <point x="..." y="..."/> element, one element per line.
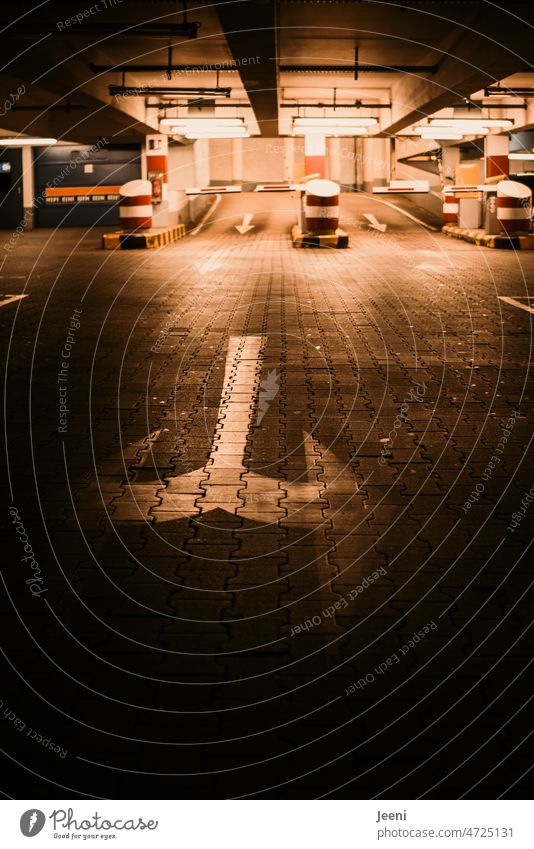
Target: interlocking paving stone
<point x="210" y="535"/>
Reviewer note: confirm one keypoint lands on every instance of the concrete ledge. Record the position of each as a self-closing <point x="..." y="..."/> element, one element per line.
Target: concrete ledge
<point x="300" y="239"/>
<point x="482" y="239"/>
<point x="142" y="239"/>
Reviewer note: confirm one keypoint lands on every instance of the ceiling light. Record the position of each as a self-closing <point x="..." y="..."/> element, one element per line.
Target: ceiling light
<point x="228" y="133"/>
<point x="16" y="141"/>
<point x="201" y="122"/>
<point x="426" y="131"/>
<point x="329" y="130"/>
<point x="461" y="123"/>
<point x="445" y="134"/>
<point x="521" y="156"/>
<point x="335" y="122"/>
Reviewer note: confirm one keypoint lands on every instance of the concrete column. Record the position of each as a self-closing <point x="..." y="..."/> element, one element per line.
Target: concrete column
<point x="237" y="161"/>
<point x="334" y="159"/>
<point x="374" y="163"/>
<point x="202" y="162"/>
<point x="28" y="191"/>
<point x="450" y="158"/>
<point x="496" y="157"/>
<point x="289" y="158"/>
<point x="315" y="155"/>
<point x="155" y="154"/>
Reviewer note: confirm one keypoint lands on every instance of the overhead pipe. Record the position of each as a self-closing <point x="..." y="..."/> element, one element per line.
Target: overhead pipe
<point x="144" y="91"/>
<point x="358" y="68"/>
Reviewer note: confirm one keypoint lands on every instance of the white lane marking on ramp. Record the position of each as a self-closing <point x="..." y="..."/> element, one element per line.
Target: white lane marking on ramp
<point x="9" y="299"/>
<point x="517" y="304"/>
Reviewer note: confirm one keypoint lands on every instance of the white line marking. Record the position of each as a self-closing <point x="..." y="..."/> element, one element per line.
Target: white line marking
<point x="515" y="303"/>
<point x="211" y="264"/>
<point x="206" y="215"/>
<point x="407" y="214"/>
<point x="8" y="299"/>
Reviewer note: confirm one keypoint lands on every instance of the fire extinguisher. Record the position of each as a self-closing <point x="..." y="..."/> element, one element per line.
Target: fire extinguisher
<point x="156" y="179"/>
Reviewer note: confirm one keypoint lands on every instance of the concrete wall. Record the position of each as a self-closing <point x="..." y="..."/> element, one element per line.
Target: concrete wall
<point x="251" y="161"/>
<point x="433" y="202"/>
<point x="189" y="166"/>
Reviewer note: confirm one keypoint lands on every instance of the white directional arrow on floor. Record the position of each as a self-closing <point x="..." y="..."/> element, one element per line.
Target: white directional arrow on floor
<point x="433" y="267"/>
<point x="252" y="494"/>
<point x="374" y="223"/>
<point x="245" y="225"/>
<point x="211" y="264"/>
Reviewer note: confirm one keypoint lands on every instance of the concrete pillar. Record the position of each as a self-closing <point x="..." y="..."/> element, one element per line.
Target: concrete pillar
<point x="201" y="156"/>
<point x="155" y="154"/>
<point x="315" y="155"/>
<point x="237" y="161"/>
<point x="28" y="190"/>
<point x="496" y="157"/>
<point x="374" y="162"/>
<point x="450" y="158"/>
<point x="334" y="159"/>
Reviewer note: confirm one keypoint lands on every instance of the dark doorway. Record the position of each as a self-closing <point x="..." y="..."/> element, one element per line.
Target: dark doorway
<point x="11" y="211"/>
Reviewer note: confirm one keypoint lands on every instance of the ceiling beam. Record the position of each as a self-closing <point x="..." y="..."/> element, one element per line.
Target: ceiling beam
<point x="250" y="31"/>
<point x="475" y="58"/>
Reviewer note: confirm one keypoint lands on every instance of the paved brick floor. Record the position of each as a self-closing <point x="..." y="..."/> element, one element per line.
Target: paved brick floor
<point x="258" y="496"/>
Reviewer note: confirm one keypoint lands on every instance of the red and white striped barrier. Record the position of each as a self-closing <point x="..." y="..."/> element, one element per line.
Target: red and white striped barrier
<point x="321" y="211"/>
<point x="487" y="187"/>
<point x="274" y="187"/>
<point x="135" y="205"/>
<point x="397" y="187"/>
<point x="514" y="207"/>
<point x="213" y="190"/>
<point x="450" y="209"/>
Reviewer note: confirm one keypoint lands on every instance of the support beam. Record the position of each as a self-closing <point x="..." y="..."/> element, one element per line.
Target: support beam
<point x="250" y="32"/>
<point x="473" y="60"/>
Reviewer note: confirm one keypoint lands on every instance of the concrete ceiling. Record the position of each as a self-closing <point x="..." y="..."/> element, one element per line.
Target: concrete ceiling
<point x="416" y="56"/>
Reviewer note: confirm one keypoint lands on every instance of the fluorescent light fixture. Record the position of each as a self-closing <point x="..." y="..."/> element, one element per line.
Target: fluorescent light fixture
<point x="16" y="141"/>
<point x="328" y="130"/>
<point x="437" y="134"/>
<point x="228" y="133"/>
<point x="523" y="156"/>
<point x="462" y="123"/>
<point x="206" y="123"/>
<point x="334" y="122"/>
<point x="426" y="131"/>
<point x="182" y="129"/>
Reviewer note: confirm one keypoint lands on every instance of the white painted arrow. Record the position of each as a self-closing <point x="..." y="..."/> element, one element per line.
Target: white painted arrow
<point x="245" y="226"/>
<point x="433" y="268"/>
<point x="374" y="223"/>
<point x="211" y="264"/>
